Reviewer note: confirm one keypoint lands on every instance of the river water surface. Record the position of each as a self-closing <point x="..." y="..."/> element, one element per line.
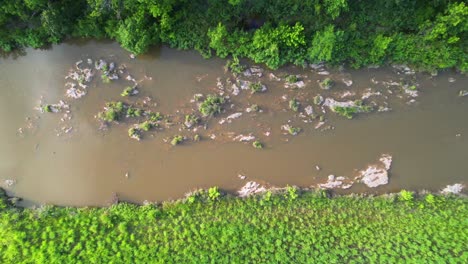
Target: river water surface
<point x="427" y="137"/>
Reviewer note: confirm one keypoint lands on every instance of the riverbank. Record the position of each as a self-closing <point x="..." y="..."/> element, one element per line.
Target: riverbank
<point x="428" y="35"/>
<point x="286" y="227"/>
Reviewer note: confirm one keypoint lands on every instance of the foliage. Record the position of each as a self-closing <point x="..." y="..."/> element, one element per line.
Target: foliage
<point x="234" y="66"/>
<point x="154" y="117"/>
<point x="212" y="105"/>
<point x="270" y="228"/>
<point x="294" y="130"/>
<point x="146" y="126"/>
<point x="326" y="84"/>
<point x="134" y="132"/>
<point x="256" y="87"/>
<point x="291" y="79"/>
<point x="426" y="34"/>
<point x="213" y="193"/>
<point x="112" y="111"/>
<point x="191" y="120"/>
<point x="134" y="112"/>
<point x="350" y="111"/>
<point x="257" y="144"/>
<point x="47" y="108"/>
<point x="128" y="91"/>
<point x="176" y="140"/>
<point x="406" y="196"/>
<point x="294" y="105"/>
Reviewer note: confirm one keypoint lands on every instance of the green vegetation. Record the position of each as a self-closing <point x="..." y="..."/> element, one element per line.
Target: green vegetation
<point x="135" y="133"/>
<point x="294" y="105"/>
<point x="128" y="91"/>
<point x="254" y="108"/>
<point x="47" y="108"/>
<point x="256" y="87"/>
<point x="426" y="34"/>
<point x="326" y="84"/>
<point x="291" y="79"/>
<point x="134" y="112"/>
<point x="234" y="66"/>
<point x="294" y="130"/>
<point x="176" y="140"/>
<point x="197" y="137"/>
<point x="212" y="105"/>
<point x="318" y="100"/>
<point x="105" y="78"/>
<point x="287" y="227"/>
<point x="154" y="117"/>
<point x="347" y="112"/>
<point x="191" y="120"/>
<point x="257" y="144"/>
<point x="112" y="111"/>
<point x="146" y="126"/>
<point x="350" y="111"/>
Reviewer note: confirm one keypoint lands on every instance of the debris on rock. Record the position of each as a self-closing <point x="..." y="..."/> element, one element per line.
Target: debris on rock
<point x="9" y="182"/>
<point x="463" y="93"/>
<point x="309" y="110"/>
<point x="273" y="77"/>
<point x="243" y="138"/>
<point x="347" y="82"/>
<point x="251" y="188"/>
<point x="376" y="174"/>
<point x="455" y="188"/>
<point x="335" y="182"/>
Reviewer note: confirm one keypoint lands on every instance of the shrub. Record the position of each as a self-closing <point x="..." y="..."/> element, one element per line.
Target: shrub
<point x="212" y="105"/>
<point x="291" y="79"/>
<point x="213" y="193"/>
<point x="256" y="87"/>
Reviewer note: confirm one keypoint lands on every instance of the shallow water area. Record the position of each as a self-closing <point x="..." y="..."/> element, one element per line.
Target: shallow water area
<point x="86" y="165"/>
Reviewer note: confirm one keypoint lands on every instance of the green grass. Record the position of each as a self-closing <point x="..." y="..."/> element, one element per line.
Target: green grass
<point x="207" y="227"/>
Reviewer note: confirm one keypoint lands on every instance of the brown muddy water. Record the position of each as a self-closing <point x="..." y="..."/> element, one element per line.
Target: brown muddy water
<point x="89" y="165"/>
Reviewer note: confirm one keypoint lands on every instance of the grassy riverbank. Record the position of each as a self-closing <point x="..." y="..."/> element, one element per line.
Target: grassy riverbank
<point x="290" y="227"/>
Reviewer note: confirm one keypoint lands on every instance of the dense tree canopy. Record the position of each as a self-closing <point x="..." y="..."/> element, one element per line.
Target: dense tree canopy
<point x="426" y="34"/>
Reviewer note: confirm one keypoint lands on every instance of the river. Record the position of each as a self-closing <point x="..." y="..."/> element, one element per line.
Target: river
<point x="75" y="162"/>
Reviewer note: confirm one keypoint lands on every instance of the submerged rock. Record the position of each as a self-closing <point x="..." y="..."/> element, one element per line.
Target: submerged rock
<point x="251" y="188"/>
<point x="332" y="103"/>
<point x="298" y="84"/>
<point x="9" y="182"/>
<point x="309" y="110"/>
<point x="376" y="174"/>
<point x="75" y="93"/>
<point x="273" y="77"/>
<point x="335" y="182"/>
<point x="243" y="138"/>
<point x="463" y="93"/>
<point x="455" y="188"/>
<point x="253" y="71"/>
